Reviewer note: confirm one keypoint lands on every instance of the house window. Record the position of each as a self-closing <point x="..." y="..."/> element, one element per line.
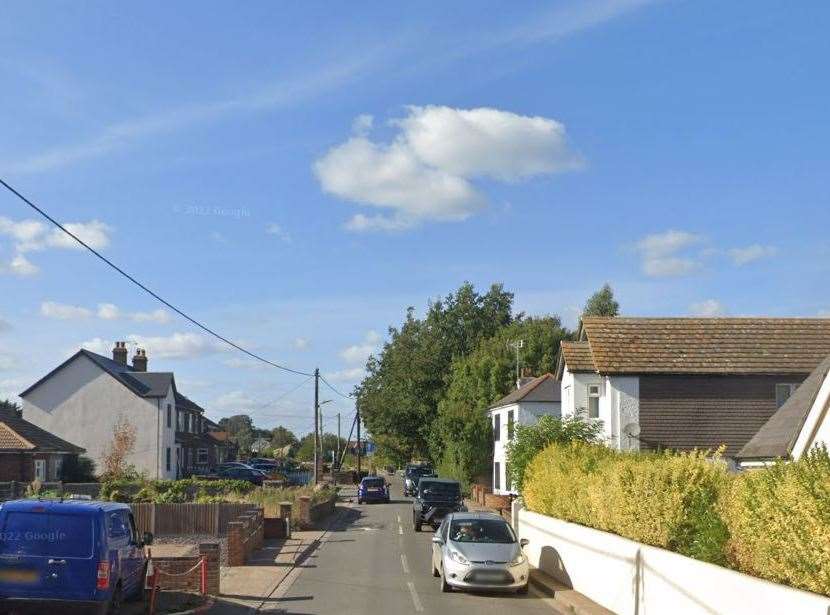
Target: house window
<point x="202" y="456"/>
<point x="783" y="392"/>
<point x="496" y="427"/>
<point x="167" y="459"/>
<point x="178" y="421"/>
<point x="169" y="416"/>
<point x="510" y="425"/>
<point x="593" y="401"/>
<point x="40" y="470"/>
<point x="507" y="483"/>
<point x="496" y="476"/>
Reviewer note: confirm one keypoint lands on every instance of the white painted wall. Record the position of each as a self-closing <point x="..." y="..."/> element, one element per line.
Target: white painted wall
<point x="631" y="578"/>
<point x="816" y="429"/>
<point x="81" y="404"/>
<point x="524" y="413"/>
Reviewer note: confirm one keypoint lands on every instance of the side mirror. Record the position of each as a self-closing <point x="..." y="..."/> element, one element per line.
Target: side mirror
<point x="436" y="539"/>
<point x="524" y="542"/>
<point x="147" y="539"/>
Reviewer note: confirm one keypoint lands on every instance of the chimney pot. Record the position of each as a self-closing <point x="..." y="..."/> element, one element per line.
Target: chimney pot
<point x="140" y="360"/>
<point x="119" y="353"/>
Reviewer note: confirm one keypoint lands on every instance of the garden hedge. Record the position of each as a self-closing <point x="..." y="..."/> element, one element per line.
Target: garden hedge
<point x="773" y="523"/>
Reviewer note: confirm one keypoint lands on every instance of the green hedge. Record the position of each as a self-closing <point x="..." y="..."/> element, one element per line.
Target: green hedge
<point x="773" y="523"/>
<point x="174" y="491"/>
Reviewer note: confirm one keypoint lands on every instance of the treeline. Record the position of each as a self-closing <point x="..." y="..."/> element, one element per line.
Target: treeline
<point x="426" y="394"/>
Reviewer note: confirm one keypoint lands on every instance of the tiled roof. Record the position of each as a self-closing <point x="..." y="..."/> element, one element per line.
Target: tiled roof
<point x="19" y="434"/>
<point x="542" y="389"/>
<point x="707" y="345"/>
<point x="578" y="357"/>
<point x="778" y="435"/>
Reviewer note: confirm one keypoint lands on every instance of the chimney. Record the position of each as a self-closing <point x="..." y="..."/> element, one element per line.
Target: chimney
<point x="119" y="353"/>
<point x="140" y="360"/>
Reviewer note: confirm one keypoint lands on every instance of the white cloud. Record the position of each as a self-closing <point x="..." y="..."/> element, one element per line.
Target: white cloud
<point x="425" y="172"/>
<point x="744" y="256"/>
<point x="178" y="345"/>
<point x="660" y="253"/>
<point x="7" y="363"/>
<point x="108" y="311"/>
<point x="233" y="401"/>
<point x="244" y="363"/>
<point x="709" y="307"/>
<point x="362" y="124"/>
<point x="279" y="232"/>
<point x="159" y="316"/>
<point x="350" y="374"/>
<point x="96" y="344"/>
<point x="358" y="354"/>
<point x="300" y="343"/>
<point x="20" y="266"/>
<point x="23" y="231"/>
<point x="62" y="311"/>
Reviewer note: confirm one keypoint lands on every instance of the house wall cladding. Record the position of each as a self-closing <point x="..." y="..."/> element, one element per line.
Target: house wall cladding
<point x="686" y="412"/>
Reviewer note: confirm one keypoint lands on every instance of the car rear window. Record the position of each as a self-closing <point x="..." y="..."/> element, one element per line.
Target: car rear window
<point x="373" y="482"/>
<point x="44" y="534"/>
<point x="439" y="490"/>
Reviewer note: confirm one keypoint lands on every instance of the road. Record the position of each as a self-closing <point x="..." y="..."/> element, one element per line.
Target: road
<point x="373" y="563"/>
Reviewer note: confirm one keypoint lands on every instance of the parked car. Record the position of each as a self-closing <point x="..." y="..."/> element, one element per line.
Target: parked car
<point x="231" y="464"/>
<point x="372" y="489"/>
<point x="247" y="473"/>
<point x="271" y="470"/>
<point x="412" y="474"/>
<point x="69" y="555"/>
<point x="436" y="498"/>
<point x="479" y="551"/>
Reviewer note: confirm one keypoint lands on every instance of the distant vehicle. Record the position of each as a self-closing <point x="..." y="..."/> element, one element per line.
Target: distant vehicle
<point x="373" y="489"/>
<point x="271" y="470"/>
<point x="57" y="556"/>
<point x="436" y="498"/>
<point x="412" y="474"/>
<point x="231" y="464"/>
<point x="479" y="551"/>
<point x="255" y="460"/>
<point x="247" y="473"/>
<point x="390" y="470"/>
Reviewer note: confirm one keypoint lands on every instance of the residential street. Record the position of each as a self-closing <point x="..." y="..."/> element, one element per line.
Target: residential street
<point x="373" y="562"/>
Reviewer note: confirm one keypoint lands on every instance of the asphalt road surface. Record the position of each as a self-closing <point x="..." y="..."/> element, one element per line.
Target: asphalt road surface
<point x="373" y="563"/>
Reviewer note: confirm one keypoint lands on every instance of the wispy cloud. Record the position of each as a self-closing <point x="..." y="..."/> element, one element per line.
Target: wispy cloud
<point x="663" y="254"/>
<point x="124" y="134"/>
<point x="749" y="254"/>
<point x="279" y="232"/>
<point x="709" y="307"/>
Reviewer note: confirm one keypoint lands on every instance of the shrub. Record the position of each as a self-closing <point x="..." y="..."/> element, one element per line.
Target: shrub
<point x="78" y="469"/>
<point x="779" y="521"/>
<point x="529" y="440"/>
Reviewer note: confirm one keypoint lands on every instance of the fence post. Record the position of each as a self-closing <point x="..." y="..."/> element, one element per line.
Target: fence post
<point x="216" y="511"/>
<point x="153" y="518"/>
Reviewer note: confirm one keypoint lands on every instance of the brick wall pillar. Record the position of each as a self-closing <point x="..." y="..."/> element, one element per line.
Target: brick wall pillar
<point x="304" y="510"/>
<point x="210" y="551"/>
<point x="236" y="548"/>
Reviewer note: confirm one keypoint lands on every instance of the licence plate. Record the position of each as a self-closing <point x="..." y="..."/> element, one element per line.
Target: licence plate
<point x="373" y="490"/>
<point x="17" y="575"/>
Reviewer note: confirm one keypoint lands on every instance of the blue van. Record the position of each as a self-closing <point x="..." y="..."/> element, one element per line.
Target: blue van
<point x="69" y="554"/>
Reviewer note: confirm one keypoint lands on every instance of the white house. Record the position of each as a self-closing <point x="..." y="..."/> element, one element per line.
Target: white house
<point x="798" y="426"/>
<point x="83" y="398"/>
<point x="533" y="397"/>
<point x="687" y="383"/>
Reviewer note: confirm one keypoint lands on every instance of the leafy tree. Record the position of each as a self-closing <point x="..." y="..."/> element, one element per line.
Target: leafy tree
<point x="328" y="441"/>
<point x="399" y="396"/>
<point x="282" y="436"/>
<point x="78" y="469"/>
<point x="462" y="435"/>
<point x="7" y="405"/>
<point x="602" y="303"/>
<point x="241" y="430"/>
<point x="529" y="440"/>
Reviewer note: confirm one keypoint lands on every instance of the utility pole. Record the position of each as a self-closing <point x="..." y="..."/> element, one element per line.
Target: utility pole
<point x="337" y="446"/>
<point x="518" y="345"/>
<point x="357" y="418"/>
<point x="316" y="426"/>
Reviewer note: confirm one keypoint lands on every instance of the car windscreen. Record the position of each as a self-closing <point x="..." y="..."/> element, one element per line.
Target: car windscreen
<point x="420" y="471"/>
<point x="373" y="482"/>
<point x="45" y="534"/>
<point x="439" y="491"/>
<point x="482" y="530"/>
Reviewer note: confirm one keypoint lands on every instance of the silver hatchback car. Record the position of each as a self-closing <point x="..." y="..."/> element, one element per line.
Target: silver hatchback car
<point x="473" y="550"/>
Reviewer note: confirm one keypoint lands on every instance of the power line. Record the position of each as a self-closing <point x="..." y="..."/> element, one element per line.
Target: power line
<point x="283" y="395"/>
<point x="329" y="385"/>
<point x="143" y="287"/>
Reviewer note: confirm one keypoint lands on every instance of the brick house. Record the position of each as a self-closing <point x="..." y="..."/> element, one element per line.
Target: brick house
<point x="687" y="383"/>
<point x="28" y="452"/>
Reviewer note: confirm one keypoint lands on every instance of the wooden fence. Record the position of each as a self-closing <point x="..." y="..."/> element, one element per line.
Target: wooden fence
<point x="187" y="519"/>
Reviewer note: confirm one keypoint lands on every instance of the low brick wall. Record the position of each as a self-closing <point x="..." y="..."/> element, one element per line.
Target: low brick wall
<point x="245" y="535"/>
<point x="174" y="575"/>
<point x="497" y="502"/>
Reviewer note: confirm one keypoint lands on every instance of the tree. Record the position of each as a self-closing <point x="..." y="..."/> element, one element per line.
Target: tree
<point x="530" y="440"/>
<point x="602" y="303"/>
<point x="398" y="398"/>
<point x="114" y="461"/>
<point x="282" y="436"/>
<point x="241" y="430"/>
<point x="78" y="469"/>
<point x="328" y="442"/>
<point x="462" y="438"/>
<point x="7" y="405"/>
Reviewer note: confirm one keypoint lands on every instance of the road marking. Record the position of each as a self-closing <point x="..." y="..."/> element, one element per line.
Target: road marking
<point x="400" y="530"/>
<point x="404" y="564"/>
<point x="415" y="599"/>
<point x="398" y="517"/>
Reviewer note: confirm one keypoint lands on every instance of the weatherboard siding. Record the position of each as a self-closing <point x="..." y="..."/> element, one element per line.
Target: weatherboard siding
<point x="689" y="411"/>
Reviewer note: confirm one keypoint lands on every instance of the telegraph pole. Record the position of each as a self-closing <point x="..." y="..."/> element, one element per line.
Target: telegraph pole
<point x="357" y="418"/>
<point x="316" y="425"/>
<point x="337" y="446"/>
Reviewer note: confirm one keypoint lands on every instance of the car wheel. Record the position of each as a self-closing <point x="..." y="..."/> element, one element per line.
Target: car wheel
<point x="114" y="606"/>
<point x="445" y="587"/>
<point x="435" y="572"/>
<point x="522" y="589"/>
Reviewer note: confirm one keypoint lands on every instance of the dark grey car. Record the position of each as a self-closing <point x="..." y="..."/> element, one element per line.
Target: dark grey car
<point x="435" y="499"/>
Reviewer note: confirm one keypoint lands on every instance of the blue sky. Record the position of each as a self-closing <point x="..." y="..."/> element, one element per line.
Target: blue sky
<point x="297" y="175"/>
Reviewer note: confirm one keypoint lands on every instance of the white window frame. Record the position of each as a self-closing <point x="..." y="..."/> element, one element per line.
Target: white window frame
<point x="40" y="470"/>
<point x="593" y="395"/>
<point x="201" y="456"/>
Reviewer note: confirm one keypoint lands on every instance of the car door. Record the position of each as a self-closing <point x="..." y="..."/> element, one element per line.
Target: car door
<point x="437" y="549"/>
<point x="134" y="566"/>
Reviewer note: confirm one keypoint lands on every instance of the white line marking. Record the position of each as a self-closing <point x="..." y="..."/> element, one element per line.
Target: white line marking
<point x="400" y="530"/>
<point x="415" y="600"/>
<point x="404" y="564"/>
<point x="398" y="517"/>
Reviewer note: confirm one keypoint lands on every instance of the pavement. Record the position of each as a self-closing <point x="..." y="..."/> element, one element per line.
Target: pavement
<point x="368" y="561"/>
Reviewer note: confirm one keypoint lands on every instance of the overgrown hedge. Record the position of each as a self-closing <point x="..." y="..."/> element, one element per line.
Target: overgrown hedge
<point x="174" y="491"/>
<point x="773" y="523"/>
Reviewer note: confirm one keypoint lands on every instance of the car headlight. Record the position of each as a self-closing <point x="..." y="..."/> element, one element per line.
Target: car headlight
<point x="458" y="558"/>
<point x="518" y="560"/>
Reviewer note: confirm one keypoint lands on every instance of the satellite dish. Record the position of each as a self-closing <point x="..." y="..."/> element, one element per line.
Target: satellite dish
<point x="632" y="430"/>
